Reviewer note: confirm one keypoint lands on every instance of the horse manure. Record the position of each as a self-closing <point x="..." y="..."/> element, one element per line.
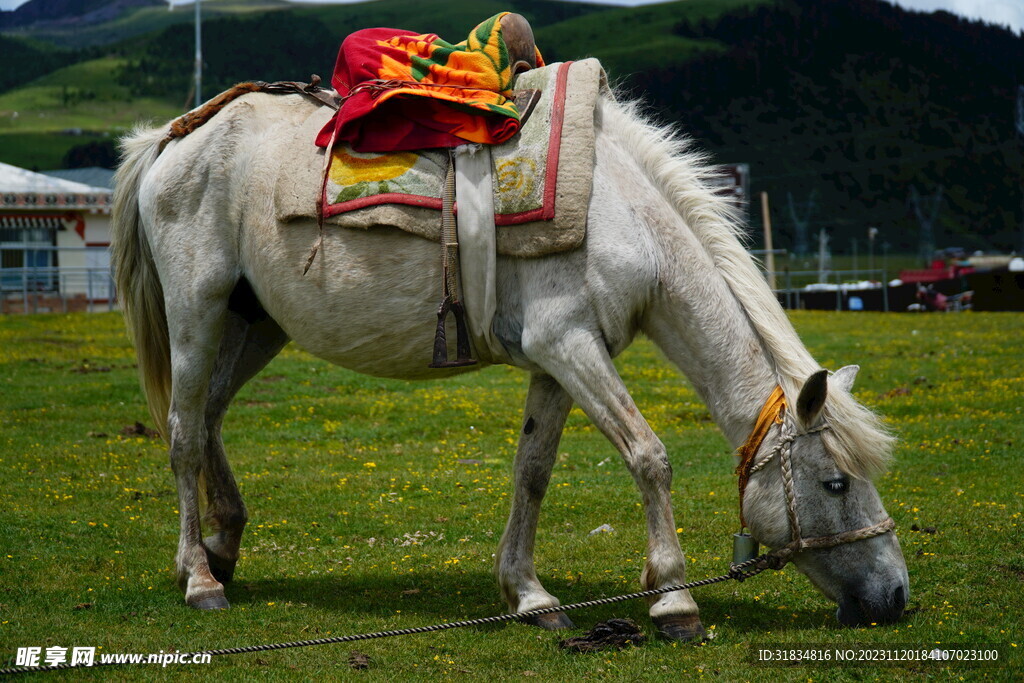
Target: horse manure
<point x="86" y="369"/>
<point x="139" y="429"/>
<point x="358" y="660"/>
<point x="614" y="634"/>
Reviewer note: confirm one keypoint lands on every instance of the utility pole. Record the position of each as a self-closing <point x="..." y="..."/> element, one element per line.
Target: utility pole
<point x="926" y="215"/>
<point x="872" y="234"/>
<point x="800" y="222"/>
<point x="1020" y="131"/>
<point x="199" y="54"/>
<point x="824" y="256"/>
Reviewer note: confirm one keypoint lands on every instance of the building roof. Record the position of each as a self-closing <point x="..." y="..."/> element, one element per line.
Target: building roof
<point x="24" y="189"/>
<point x="95" y="176"/>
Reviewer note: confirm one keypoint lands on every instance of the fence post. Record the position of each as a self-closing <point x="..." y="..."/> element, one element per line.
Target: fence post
<point x="789" y="289"/>
<point x="839" y="293"/>
<point x="769" y="260"/>
<point x="885" y="292"/>
<point x="88" y="288"/>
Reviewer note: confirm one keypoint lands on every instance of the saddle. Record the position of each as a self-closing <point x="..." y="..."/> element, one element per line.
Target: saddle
<point x="541" y="176"/>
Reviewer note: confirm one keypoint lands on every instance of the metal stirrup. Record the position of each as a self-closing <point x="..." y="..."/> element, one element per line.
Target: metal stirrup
<point x="450" y="287"/>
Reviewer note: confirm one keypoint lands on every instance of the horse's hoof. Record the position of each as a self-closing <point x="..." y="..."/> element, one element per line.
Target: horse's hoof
<point x="680" y="628"/>
<point x="556" y="621"/>
<point x="212" y="602"/>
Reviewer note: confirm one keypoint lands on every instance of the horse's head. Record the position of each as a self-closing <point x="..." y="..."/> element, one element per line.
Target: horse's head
<point x="798" y="491"/>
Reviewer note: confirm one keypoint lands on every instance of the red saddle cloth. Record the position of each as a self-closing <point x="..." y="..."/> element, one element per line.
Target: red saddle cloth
<point x="406" y="91"/>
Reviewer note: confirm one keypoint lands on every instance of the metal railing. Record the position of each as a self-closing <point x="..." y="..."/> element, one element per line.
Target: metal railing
<point x="36" y="279"/>
<point x="845" y="283"/>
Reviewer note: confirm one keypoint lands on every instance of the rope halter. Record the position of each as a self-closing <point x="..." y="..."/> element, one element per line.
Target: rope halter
<point x="774" y="413"/>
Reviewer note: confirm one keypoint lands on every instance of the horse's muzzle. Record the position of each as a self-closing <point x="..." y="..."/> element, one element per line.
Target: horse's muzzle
<point x="866" y="608"/>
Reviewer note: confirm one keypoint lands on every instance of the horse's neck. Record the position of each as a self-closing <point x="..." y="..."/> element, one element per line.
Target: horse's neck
<point x="699" y="324"/>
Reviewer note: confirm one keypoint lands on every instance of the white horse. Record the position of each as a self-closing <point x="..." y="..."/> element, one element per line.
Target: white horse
<point x="211" y="286"/>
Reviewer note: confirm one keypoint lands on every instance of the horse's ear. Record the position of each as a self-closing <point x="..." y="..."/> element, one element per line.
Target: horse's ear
<point x="843" y="378"/>
<point x="812" y="397"/>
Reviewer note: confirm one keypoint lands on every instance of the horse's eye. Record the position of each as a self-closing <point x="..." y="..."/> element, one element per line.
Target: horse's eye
<point x="836" y="486"/>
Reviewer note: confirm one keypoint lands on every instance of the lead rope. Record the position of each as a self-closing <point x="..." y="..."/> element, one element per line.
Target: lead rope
<point x="737" y="572"/>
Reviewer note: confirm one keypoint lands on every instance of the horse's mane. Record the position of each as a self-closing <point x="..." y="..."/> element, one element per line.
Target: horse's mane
<point x="858" y="441"/>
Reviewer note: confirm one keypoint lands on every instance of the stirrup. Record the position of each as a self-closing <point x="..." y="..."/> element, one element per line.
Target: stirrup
<point x="464" y="357"/>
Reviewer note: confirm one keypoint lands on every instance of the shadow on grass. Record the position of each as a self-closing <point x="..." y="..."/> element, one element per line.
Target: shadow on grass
<point x="437" y="596"/>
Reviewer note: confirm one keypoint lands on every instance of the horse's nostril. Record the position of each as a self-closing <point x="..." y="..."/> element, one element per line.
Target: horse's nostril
<point x="899" y="598"/>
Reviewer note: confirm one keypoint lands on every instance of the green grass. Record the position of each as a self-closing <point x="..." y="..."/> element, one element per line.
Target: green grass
<point x="339" y="470"/>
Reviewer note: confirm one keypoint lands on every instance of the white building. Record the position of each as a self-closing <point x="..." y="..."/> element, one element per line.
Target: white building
<point x="54" y="235"/>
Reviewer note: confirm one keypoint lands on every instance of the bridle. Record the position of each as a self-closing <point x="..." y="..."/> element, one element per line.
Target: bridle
<point x="774" y="413"/>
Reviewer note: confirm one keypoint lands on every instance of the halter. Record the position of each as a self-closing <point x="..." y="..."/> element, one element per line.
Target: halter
<point x="774" y="413"/>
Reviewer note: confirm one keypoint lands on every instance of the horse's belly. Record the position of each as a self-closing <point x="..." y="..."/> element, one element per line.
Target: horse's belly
<point x="368" y="303"/>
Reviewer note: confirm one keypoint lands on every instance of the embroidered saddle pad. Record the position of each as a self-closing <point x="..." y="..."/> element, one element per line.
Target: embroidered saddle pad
<point x="542" y="175"/>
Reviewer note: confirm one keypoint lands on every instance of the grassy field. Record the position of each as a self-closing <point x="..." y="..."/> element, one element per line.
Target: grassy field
<point x="85" y="96"/>
<point x="377" y="504"/>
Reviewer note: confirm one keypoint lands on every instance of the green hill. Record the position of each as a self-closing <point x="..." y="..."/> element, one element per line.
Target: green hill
<point x="74" y="105"/>
<point x="627" y="40"/>
<point x="137" y="21"/>
<point x="23" y="60"/>
<point x="844" y="111"/>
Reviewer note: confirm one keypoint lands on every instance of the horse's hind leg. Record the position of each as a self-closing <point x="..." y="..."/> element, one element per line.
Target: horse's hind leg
<point x="581" y="364"/>
<point x="547" y="406"/>
<point x="196" y="312"/>
<point x="251" y="340"/>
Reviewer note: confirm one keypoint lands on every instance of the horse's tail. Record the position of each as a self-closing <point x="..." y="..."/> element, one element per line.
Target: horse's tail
<point x="139" y="291"/>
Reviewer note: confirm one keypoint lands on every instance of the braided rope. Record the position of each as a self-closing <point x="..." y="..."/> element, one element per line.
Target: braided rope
<point x="787" y="480"/>
<point x="737" y="572"/>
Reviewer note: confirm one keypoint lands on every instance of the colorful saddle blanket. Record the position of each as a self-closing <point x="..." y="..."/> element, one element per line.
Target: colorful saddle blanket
<point x="404" y="91"/>
<point x="542" y="175"/>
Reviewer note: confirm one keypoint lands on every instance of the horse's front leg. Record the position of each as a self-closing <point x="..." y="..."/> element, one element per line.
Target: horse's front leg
<point x="581" y="364"/>
<point x="547" y="406"/>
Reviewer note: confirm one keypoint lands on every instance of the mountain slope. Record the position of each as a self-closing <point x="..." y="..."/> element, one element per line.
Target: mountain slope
<point x="43" y="13"/>
<point x="925" y="105"/>
<point x="848" y="113"/>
